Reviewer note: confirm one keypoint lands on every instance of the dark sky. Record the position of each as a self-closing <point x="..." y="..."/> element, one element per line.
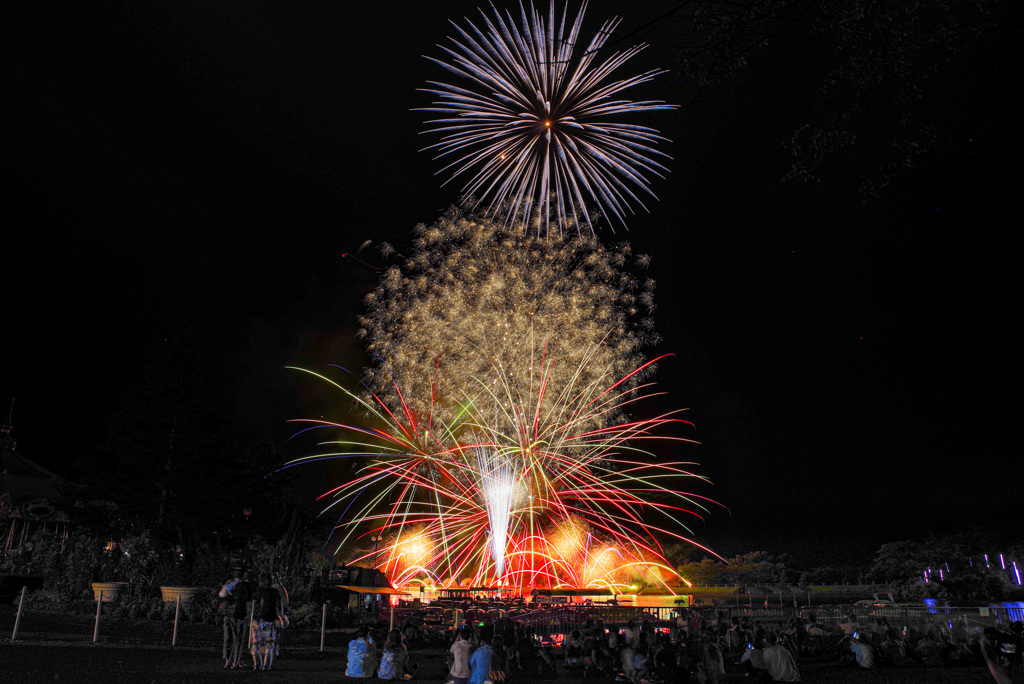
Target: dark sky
<point x="202" y="167"/>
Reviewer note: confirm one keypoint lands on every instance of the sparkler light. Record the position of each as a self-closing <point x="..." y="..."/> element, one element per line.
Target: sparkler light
<point x="536" y="122"/>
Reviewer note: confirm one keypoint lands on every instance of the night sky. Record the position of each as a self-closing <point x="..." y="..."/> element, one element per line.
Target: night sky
<point x="201" y="168"/>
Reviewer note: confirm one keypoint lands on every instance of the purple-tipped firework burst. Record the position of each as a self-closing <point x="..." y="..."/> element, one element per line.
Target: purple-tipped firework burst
<point x="536" y="123"/>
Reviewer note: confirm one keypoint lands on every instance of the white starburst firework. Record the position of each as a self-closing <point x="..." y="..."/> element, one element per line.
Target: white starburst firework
<point x="536" y="128"/>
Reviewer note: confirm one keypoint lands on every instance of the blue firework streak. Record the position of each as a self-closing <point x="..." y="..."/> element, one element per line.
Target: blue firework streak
<point x="536" y="125"/>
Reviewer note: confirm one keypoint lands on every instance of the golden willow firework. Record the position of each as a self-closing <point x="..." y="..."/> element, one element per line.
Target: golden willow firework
<point x="569" y="503"/>
<point x="474" y="315"/>
<point x="536" y="121"/>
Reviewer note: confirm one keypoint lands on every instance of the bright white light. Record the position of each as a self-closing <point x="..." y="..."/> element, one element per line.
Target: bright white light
<point x="498" y="485"/>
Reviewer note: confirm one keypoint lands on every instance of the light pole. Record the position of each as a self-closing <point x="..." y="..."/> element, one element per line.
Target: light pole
<point x="376" y="540"/>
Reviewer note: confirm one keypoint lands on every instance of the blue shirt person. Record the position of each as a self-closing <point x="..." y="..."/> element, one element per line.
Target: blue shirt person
<point x="480" y="664"/>
<point x="362" y="655"/>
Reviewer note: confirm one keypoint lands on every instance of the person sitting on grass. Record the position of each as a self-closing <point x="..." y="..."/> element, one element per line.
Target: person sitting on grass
<point x="928" y="650"/>
<point x="863" y="651"/>
<point x="628" y="634"/>
<point x="510" y="638"/>
<point x="394" y="664"/>
<point x="793" y="637"/>
<point x="893" y="650"/>
<point x="754" y="667"/>
<point x="610" y="650"/>
<point x="663" y="664"/>
<point x="604" y="659"/>
<point x="780" y="663"/>
<point x="526" y="652"/>
<point x="626" y="653"/>
<point x="591" y="659"/>
<point x="546" y="654"/>
<point x="573" y="650"/>
<point x="362" y="655"/>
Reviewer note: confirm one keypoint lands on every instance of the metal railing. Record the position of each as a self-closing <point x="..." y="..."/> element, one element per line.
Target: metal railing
<point x="562" y="619"/>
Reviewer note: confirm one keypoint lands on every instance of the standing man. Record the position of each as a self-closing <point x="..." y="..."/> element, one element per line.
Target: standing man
<point x="460" y="656"/>
<point x="236" y="595"/>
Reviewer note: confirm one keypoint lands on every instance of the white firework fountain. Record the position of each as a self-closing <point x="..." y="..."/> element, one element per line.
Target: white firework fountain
<point x="498" y="485"/>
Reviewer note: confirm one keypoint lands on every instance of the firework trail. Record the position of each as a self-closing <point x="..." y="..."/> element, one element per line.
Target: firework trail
<point x="536" y="121"/>
<point x="565" y="505"/>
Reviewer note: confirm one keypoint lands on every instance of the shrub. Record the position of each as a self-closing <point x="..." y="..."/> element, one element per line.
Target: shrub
<point x="304" y="615"/>
<point x="44" y="599"/>
<point x="202" y="609"/>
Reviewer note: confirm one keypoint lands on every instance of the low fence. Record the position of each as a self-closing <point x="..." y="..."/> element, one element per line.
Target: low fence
<point x="562" y="619"/>
<point x="919" y="617"/>
<point x="558" y="620"/>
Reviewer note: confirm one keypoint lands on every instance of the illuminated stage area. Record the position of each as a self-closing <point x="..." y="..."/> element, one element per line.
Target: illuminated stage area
<point x="567" y="558"/>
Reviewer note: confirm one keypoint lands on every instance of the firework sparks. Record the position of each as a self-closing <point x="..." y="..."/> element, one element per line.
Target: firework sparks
<point x="499" y="435"/>
<point x="565" y="504"/>
<point x="537" y="123"/>
<point x="478" y="310"/>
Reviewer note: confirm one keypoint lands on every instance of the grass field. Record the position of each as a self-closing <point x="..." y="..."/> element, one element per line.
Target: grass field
<point x="58" y="648"/>
<point x="33" y="663"/>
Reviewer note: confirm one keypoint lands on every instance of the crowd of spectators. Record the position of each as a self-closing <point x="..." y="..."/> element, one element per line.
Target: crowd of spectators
<point x="697" y="650"/>
<point x="635" y="653"/>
